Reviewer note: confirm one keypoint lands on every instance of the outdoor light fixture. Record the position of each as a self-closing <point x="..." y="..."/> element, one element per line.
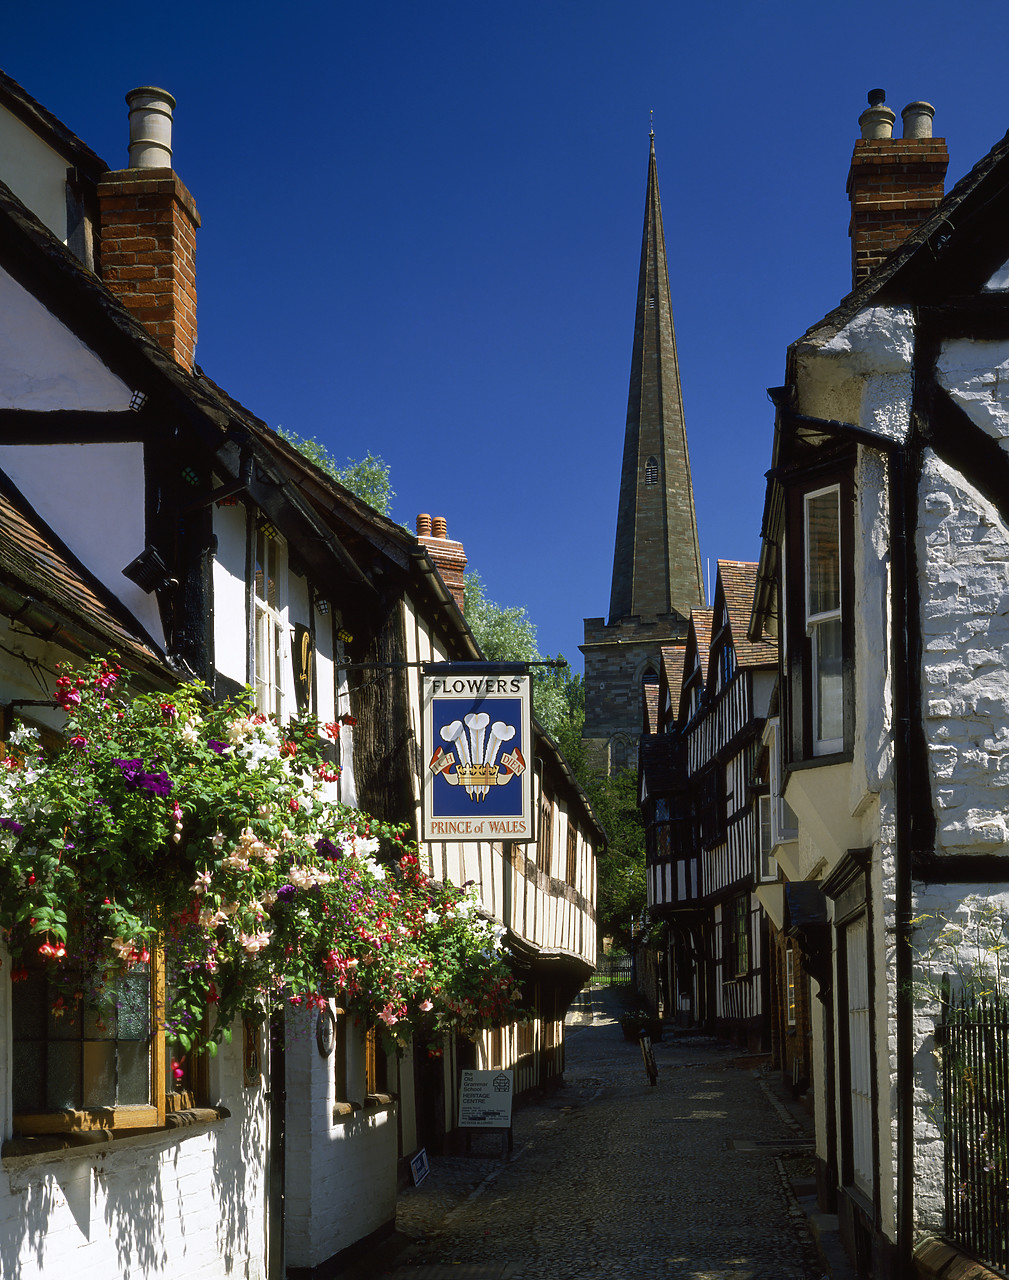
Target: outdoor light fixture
<point x="148" y="571"/>
<point x="190" y="476"/>
<point x="138" y="400"/>
<point x="267" y="529"/>
<point x="322" y="606"/>
<point x="344" y="635"/>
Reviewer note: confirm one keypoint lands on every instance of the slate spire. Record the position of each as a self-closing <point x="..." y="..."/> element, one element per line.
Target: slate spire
<point x="657" y="558"/>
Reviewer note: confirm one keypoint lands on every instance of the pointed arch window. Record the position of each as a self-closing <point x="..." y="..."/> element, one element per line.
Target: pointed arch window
<point x="652" y="470"/>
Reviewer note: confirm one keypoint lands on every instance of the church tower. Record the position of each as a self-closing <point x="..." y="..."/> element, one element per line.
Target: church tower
<point x="657" y="576"/>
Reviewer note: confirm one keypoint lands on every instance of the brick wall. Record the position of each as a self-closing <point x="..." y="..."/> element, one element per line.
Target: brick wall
<point x="148" y="249"/>
<point x="893" y="185"/>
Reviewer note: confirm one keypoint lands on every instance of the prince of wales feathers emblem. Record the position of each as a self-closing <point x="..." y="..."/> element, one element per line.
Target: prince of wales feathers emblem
<point x="477" y="767"/>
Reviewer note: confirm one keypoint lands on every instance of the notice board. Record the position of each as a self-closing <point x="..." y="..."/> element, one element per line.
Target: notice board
<point x="485" y="1099"/>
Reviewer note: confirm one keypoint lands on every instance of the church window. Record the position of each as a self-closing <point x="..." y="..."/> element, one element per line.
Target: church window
<point x="652" y="471"/>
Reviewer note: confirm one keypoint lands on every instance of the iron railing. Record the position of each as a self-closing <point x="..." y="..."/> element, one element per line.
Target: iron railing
<point x="612" y="970"/>
<point x="975" y="1070"/>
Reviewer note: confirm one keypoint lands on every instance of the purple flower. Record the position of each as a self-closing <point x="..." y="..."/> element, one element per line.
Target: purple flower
<point x="8" y="824"/>
<point x="326" y="849"/>
<point x="286" y="892"/>
<point x="158" y="784"/>
<point x="219" y="747"/>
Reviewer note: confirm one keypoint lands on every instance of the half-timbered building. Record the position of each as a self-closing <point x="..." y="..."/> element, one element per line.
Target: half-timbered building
<point x="143" y="509"/>
<point x="703" y="820"/>
<point x="883" y="577"/>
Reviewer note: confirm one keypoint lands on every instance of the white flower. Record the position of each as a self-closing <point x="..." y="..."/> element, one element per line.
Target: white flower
<point x="22" y="733"/>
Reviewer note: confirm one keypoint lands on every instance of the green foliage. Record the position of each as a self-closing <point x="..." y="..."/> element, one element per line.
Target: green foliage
<point x="622" y="891"/>
<point x="503" y="634"/>
<point x="367" y="478"/>
<point x="507" y="634"/>
<point x="210" y="831"/>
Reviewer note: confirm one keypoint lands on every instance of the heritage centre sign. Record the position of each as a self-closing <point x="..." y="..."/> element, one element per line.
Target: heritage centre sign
<point x="477" y="752"/>
<point x="485" y="1099"/>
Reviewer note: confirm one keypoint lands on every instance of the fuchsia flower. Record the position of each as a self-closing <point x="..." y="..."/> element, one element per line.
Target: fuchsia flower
<point x="79" y="741"/>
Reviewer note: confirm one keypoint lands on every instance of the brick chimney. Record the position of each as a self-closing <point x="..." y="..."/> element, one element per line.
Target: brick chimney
<point x="148" y="222"/>
<point x="448" y="556"/>
<point x="893" y="183"/>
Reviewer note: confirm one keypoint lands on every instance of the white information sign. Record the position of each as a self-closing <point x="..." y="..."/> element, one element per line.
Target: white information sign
<point x="485" y="1099"/>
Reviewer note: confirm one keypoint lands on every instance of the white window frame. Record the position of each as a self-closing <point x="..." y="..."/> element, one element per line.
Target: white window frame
<point x="790" y="1012"/>
<point x="768" y="866"/>
<point x="269" y="620"/>
<point x="817" y="621"/>
<point x="784" y="824"/>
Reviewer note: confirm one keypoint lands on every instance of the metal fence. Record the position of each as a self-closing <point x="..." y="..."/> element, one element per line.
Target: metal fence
<point x="612" y="970"/>
<point x="975" y="1084"/>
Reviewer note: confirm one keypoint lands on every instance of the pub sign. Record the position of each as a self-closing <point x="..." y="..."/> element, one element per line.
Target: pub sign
<point x="477" y="752"/>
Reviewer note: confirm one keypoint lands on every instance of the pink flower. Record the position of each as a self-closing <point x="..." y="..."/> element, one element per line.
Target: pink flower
<point x="79" y="741"/>
<point x="387" y="1016"/>
<point x="426" y="1006"/>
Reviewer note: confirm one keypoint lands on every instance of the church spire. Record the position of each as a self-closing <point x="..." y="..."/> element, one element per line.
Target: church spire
<point x="657" y="559"/>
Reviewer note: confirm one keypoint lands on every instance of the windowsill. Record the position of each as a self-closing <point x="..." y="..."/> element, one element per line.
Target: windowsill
<point x="818" y="762"/>
<point x="344" y="1111"/>
<point x="23" y="1152"/>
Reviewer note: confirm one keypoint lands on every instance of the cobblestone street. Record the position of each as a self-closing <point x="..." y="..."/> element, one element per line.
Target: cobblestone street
<point x="695" y="1177"/>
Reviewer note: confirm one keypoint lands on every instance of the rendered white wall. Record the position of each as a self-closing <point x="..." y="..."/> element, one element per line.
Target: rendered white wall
<point x="231" y="601"/>
<point x="187" y="1202"/>
<point x="34" y="172"/>
<point x="45" y="366"/>
<point x="963" y="545"/>
<point x="341" y="1175"/>
<point x="105" y="525"/>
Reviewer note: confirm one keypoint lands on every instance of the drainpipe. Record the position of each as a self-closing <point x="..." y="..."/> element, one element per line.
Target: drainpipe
<point x="902" y="552"/>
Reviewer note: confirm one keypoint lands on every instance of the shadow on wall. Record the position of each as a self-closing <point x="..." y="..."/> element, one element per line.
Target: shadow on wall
<point x="231" y="1181"/>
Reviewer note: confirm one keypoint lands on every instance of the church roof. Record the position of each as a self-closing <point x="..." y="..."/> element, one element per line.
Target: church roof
<point x="656" y="558"/>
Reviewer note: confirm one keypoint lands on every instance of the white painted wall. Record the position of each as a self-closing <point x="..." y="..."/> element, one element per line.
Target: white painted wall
<point x="963" y="546"/>
<point x="44" y="365"/>
<point x="188" y="1202"/>
<point x="341" y="1173"/>
<point x="231" y="594"/>
<point x="104" y="526"/>
<point x="34" y="172"/>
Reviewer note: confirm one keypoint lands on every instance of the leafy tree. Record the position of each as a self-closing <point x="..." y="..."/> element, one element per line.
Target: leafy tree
<point x="507" y="634"/>
<point x="367" y="478"/>
<point x="622" y="893"/>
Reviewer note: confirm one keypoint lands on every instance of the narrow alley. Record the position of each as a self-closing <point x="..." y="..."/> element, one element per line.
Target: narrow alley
<point x="698" y="1176"/>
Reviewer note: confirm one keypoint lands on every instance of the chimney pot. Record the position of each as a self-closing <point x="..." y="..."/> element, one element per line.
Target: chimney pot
<point x="439" y="527"/>
<point x="917" y="117"/>
<point x="876" y="121"/>
<point x="423" y="526"/>
<point x="150" y="127"/>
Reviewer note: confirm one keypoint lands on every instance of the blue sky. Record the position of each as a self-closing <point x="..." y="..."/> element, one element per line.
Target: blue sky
<point x="422" y="222"/>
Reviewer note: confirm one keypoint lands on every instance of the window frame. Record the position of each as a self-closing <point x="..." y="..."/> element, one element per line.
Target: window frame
<point x="798" y="667"/>
<point x="150" y="1115"/>
<point x="269" y="622"/>
<point x="817" y="620"/>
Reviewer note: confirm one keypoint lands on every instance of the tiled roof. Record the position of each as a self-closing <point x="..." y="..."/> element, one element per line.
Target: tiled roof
<point x="701" y="620"/>
<point x="673" y="658"/>
<point x="651" y="705"/>
<point x="78" y="611"/>
<point x="738" y="580"/>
